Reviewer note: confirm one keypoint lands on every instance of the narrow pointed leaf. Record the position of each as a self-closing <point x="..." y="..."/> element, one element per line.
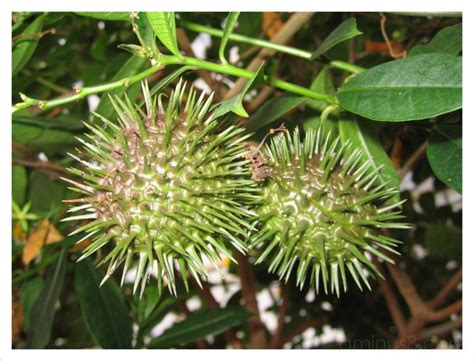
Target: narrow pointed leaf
<point x="345" y="31"/>
<point x="104" y="308"/>
<point x="164" y="26"/>
<point x="43" y="309"/>
<point x="200" y="325"/>
<point x="229" y="26"/>
<point x="104" y="15"/>
<point x="23" y="51"/>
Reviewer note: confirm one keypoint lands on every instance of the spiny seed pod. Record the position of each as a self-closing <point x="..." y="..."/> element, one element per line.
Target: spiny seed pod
<point x="169" y="187"/>
<point x="323" y="208"/>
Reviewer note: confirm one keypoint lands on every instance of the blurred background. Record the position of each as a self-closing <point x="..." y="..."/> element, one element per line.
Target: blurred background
<point x="50" y="300"/>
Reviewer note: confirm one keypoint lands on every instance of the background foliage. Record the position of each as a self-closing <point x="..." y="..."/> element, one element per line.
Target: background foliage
<point x="404" y="113"/>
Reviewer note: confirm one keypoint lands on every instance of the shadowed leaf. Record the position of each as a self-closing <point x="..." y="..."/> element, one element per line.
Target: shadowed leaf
<point x="445" y="155"/>
<point x="200" y="325"/>
<point x="345" y="31"/>
<point x="104" y="308"/>
<point x="43" y="310"/>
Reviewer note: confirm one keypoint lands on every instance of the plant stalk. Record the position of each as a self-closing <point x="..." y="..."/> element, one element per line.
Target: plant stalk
<point x="84" y="91"/>
<point x="163" y="61"/>
<point x="337" y="64"/>
<point x="242" y="73"/>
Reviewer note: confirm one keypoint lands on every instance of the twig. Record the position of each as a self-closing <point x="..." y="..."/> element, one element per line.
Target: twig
<point x="391" y="301"/>
<point x="276" y="340"/>
<point x="394" y="55"/>
<point x="421" y="312"/>
<point x="23" y="151"/>
<point x="57" y="88"/>
<point x="442" y="329"/>
<point x="249" y="292"/>
<point x="40" y="164"/>
<point x="417" y="307"/>
<point x="294" y="23"/>
<point x="260" y="98"/>
<point x="397" y="152"/>
<point x="455" y="307"/>
<point x="407" y="290"/>
<point x="415" y="157"/>
<point x="29" y="158"/>
<point x="33" y="35"/>
<point x="446" y="290"/>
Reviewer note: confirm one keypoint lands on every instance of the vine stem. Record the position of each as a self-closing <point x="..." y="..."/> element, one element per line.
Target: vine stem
<point x="239" y="72"/>
<point x="245" y="39"/>
<point x="162" y="62"/>
<point x="338" y="64"/>
<point x="83" y="92"/>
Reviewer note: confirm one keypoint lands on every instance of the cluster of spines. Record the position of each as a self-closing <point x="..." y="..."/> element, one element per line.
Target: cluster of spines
<point x="126" y="151"/>
<point x="360" y="186"/>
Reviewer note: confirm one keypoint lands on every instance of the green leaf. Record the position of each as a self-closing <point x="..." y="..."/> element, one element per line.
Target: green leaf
<point x="229" y="26"/>
<point x="445" y="155"/>
<point x="48" y="140"/>
<point x="43" y="310"/>
<point x="448" y="40"/>
<point x="49" y="123"/>
<point x="165" y="306"/>
<point x="144" y="306"/>
<point x="413" y="88"/>
<point x="29" y="293"/>
<point x="104" y="308"/>
<point x="133" y="66"/>
<point x="322" y="84"/>
<point x="271" y="111"/>
<point x="200" y="325"/>
<point x="111" y="16"/>
<point x="234" y="104"/>
<point x="19" y="184"/>
<point x="362" y="135"/>
<point x="345" y="31"/>
<point x="29" y="41"/>
<point x="146" y="34"/>
<point x="164" y="26"/>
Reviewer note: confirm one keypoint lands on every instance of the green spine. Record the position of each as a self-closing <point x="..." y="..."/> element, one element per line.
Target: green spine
<point x="324" y="209"/>
<point x="168" y="187"/>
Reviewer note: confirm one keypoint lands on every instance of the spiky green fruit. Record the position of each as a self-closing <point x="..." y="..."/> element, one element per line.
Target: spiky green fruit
<point x="324" y="209"/>
<point x="169" y="187"/>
